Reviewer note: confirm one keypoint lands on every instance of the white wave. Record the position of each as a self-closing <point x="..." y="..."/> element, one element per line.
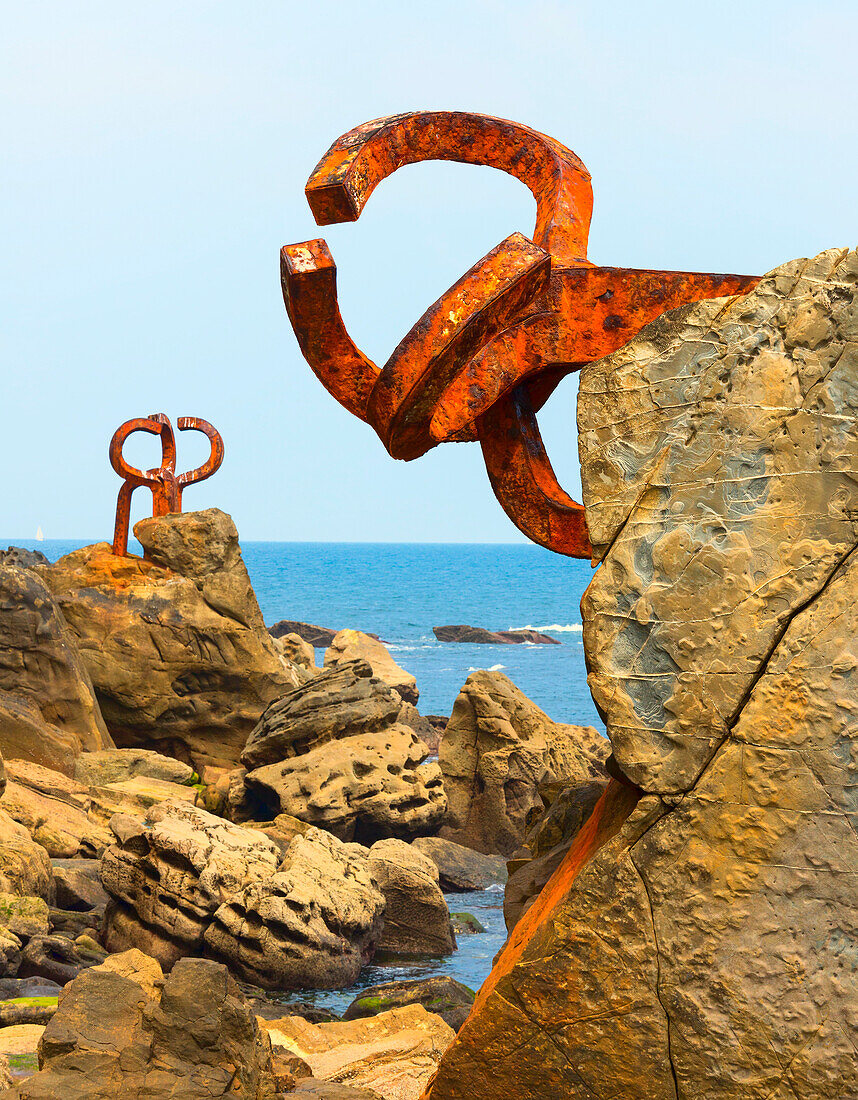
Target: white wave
<point x="495" y="888"/>
<point x="493" y="668"/>
<point x="552" y="628"/>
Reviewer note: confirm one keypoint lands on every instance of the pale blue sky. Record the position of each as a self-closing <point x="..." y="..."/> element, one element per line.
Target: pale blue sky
<point x="154" y="160"/>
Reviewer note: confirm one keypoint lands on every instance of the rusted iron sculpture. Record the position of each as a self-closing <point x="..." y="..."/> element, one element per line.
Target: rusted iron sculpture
<point x="163" y="481"/>
<point x="482" y="360"/>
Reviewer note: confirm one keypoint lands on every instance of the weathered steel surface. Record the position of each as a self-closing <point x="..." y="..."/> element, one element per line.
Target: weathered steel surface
<point x="166" y="486"/>
<point x="484" y="358"/>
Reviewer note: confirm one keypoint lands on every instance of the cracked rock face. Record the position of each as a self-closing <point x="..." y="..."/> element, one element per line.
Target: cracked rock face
<point x="313" y="924"/>
<point x="338" y="753"/>
<point x="706" y="949"/>
<point x="175" y="644"/>
<point x="497" y="751"/>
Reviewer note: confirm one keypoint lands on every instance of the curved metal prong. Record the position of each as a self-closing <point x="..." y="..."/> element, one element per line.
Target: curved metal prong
<point x="309" y="280"/>
<point x="212" y="463"/>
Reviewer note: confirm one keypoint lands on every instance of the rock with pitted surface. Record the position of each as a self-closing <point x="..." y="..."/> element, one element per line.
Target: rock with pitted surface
<point x="460" y="868"/>
<point x="168" y="875"/>
<point x="23" y="559"/>
<point x="498" y="752"/>
<point x="700" y="951"/>
<point x="354" y="645"/>
<point x="339" y="752"/>
<point x="123" y="1030"/>
<point x="478" y="635"/>
<point x="313" y="924"/>
<point x="545" y="847"/>
<point x="416" y="919"/>
<point x="48" y="708"/>
<point x="296" y="650"/>
<point x="175" y="644"/>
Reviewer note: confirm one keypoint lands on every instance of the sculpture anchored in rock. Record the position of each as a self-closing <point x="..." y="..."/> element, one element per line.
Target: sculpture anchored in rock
<point x="166" y="485"/>
<point x="482" y="360"/>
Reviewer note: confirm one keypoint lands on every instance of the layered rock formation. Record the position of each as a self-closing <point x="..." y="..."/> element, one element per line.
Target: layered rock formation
<point x="336" y="752"/>
<point x="175" y="644"/>
<point x="123" y="1030"/>
<point x="702" y="949"/>
<point x="48" y="709"/>
<point x="416" y="919"/>
<point x="497" y="752"/>
<point x="354" y="645"/>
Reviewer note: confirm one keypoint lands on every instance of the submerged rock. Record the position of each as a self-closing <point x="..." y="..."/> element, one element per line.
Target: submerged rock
<point x="498" y="751"/>
<point x="447" y="998"/>
<point x="478" y="635"/>
<point x="175" y="644"/>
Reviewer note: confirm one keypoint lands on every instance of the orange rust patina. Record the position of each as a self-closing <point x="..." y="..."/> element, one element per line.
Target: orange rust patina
<point x="163" y="481"/>
<point x="485" y="357"/>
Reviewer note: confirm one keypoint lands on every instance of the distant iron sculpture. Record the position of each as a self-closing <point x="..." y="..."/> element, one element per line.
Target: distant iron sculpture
<point x="166" y="485"/>
<point x="482" y="360"/>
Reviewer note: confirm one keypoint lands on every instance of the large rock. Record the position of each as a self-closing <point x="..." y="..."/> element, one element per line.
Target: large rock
<point x="96" y="769"/>
<point x="318" y="636"/>
<point x="460" y="868"/>
<point x="354" y="645"/>
<point x="498" y="752"/>
<point x="442" y="995"/>
<point x="701" y="950"/>
<point x="54" y="809"/>
<point x="416" y="918"/>
<point x="313" y="924"/>
<point x="338" y="753"/>
<point x="392" y="1054"/>
<point x="48" y="709"/>
<point x="168" y="876"/>
<point x="25" y="866"/>
<point x="175" y="644"/>
<point x="122" y="1030"/>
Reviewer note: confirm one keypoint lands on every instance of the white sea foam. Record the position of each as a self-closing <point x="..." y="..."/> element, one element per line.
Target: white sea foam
<point x="552" y="628"/>
<point x="493" y="668"/>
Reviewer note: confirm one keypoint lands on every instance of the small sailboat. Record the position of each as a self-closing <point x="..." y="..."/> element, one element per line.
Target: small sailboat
<point x="39" y="535"/>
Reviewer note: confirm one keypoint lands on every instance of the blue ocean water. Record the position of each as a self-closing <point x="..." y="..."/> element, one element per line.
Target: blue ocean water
<point x="401" y="590"/>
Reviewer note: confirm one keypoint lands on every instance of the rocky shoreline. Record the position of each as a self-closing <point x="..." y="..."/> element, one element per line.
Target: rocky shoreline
<point x="194" y="813"/>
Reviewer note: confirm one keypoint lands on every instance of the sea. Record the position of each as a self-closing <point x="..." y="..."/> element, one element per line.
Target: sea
<point x="400" y="591"/>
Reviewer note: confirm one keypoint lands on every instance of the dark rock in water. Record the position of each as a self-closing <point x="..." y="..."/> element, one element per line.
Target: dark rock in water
<point x="466" y="924"/>
<point x="444" y="996"/>
<point x="545" y="847"/>
<point x="416" y="920"/>
<point x="340" y="752"/>
<point x="78" y="884"/>
<point x="459" y="868"/>
<point x="478" y="635"/>
<point x="123" y="1030"/>
<point x="23" y="559"/>
<point x="320" y="637"/>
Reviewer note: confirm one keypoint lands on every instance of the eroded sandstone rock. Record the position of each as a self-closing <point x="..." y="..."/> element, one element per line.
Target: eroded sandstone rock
<point x="175" y="645"/>
<point x="701" y="951"/>
<point x="461" y="868"/>
<point x="54" y="809"/>
<point x="354" y="645"/>
<point x="416" y="918"/>
<point x="497" y="751"/>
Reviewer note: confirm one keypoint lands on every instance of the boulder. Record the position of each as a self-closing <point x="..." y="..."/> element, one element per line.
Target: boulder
<point x="460" y="868"/>
<point x="354" y="645"/>
<point x="320" y="637"/>
<point x="78" y="884"/>
<point x="24" y="917"/>
<point x="22" y="558"/>
<point x="97" y="769"/>
<point x="175" y="644"/>
<point x="313" y="924"/>
<point x="466" y="924"/>
<point x="59" y="957"/>
<point x="416" y="919"/>
<point x="296" y="650"/>
<point x="168" y="875"/>
<point x="478" y="635"/>
<point x="393" y="1054"/>
<point x="444" y="996"/>
<point x="699" y="951"/>
<point x="122" y="1029"/>
<point x="498" y="753"/>
<point x="50" y="712"/>
<point x="545" y="847"/>
<point x="25" y="866"/>
<point x="337" y="753"/>
<point x="54" y="809"/>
